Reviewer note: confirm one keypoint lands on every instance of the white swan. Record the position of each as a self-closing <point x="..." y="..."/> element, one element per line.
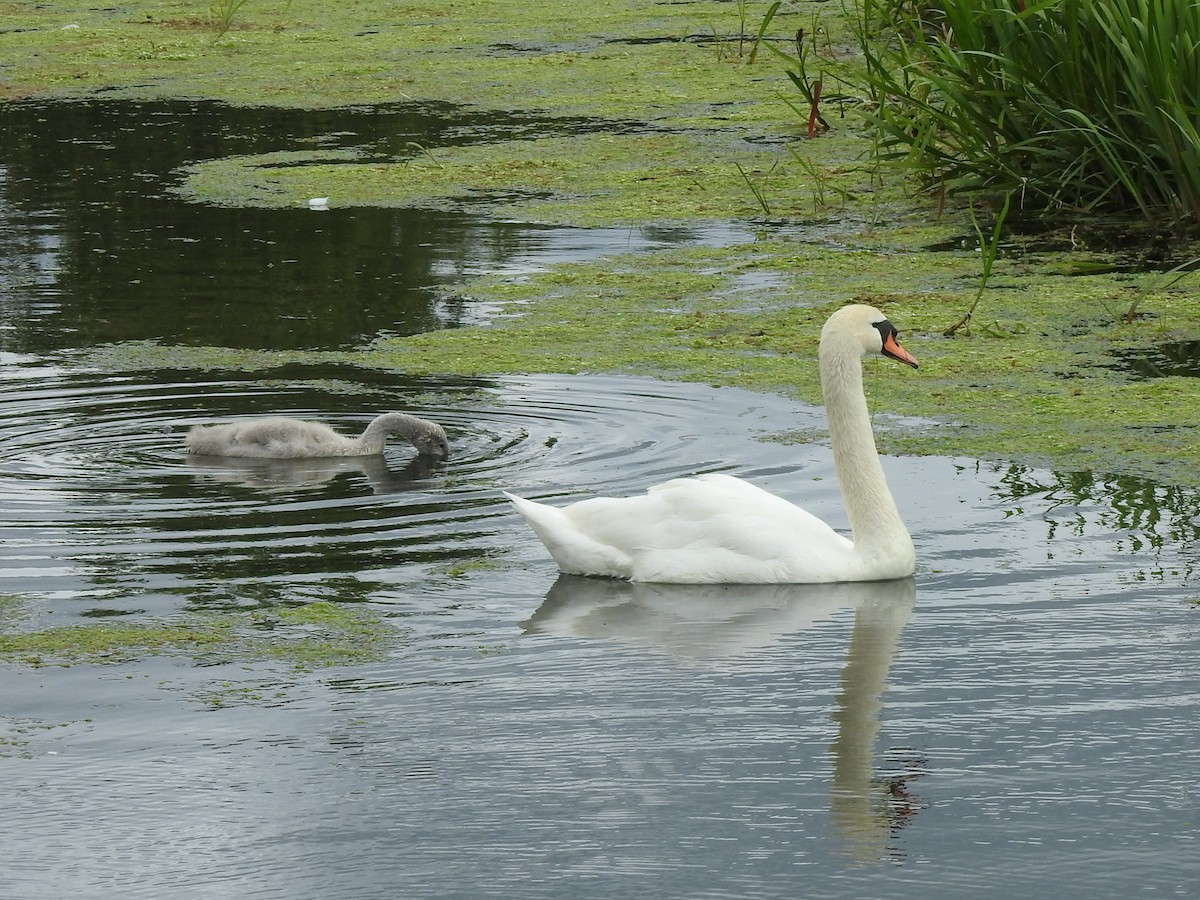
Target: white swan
<point x="278" y="437"/>
<point x="716" y="529"/>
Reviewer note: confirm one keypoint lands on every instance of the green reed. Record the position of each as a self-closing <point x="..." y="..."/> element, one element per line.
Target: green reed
<point x="223" y="13"/>
<point x="1067" y="105"/>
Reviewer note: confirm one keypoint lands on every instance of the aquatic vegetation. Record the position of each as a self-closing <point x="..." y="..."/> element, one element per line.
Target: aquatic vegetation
<point x="1034" y="379"/>
<point x="989" y="246"/>
<point x="224" y="694"/>
<point x="312" y="53"/>
<point x="223" y="13"/>
<point x="1072" y="106"/>
<point x="755" y="188"/>
<point x="107" y="642"/>
<point x="635" y="150"/>
<point x="1158" y="282"/>
<point x="135" y="355"/>
<point x="307" y="636"/>
<point x="11" y="607"/>
<point x="590" y="179"/>
<point x="321" y="634"/>
<point x="1023" y="384"/>
<point x="461" y="568"/>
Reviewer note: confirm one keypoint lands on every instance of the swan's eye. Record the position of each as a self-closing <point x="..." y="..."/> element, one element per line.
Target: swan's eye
<point x="886" y="330"/>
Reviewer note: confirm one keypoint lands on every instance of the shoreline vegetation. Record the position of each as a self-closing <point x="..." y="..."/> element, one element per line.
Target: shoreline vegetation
<point x="696" y="120"/>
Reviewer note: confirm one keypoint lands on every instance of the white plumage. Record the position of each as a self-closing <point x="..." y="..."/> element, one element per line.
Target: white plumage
<point x="717" y="529"/>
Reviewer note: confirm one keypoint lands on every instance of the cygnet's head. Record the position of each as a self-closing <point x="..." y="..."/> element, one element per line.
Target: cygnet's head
<point x="431" y="441"/>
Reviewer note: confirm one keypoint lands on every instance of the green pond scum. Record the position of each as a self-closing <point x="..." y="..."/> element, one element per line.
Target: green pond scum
<point x="303" y="637"/>
<point x="106" y="643"/>
<point x="691" y="121"/>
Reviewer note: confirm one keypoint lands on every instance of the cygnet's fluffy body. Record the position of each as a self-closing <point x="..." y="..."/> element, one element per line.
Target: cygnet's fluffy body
<point x="280" y="437"/>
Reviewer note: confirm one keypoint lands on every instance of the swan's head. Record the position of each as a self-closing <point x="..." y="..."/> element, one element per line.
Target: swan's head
<point x="867" y="329"/>
<point x="431" y="441"/>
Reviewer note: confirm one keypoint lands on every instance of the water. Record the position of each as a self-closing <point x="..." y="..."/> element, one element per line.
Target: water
<point x="96" y="248"/>
<point x="1172" y="358"/>
<point x="1018" y="720"/>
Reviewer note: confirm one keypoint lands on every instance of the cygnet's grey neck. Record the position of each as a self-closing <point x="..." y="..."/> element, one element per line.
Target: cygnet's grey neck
<point x="427" y="437"/>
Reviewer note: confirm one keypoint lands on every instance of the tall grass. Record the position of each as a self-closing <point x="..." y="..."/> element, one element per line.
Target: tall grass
<point x="1066" y="105"/>
<point x="223" y="13"/>
<point x="989" y="248"/>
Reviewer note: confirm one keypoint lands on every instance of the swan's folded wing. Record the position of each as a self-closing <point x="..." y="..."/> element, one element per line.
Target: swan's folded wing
<point x="714" y="528"/>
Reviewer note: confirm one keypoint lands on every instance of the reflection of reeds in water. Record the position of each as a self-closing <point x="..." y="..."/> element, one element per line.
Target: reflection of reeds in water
<point x="1153" y="516"/>
<point x="867" y="809"/>
<point x="704" y="623"/>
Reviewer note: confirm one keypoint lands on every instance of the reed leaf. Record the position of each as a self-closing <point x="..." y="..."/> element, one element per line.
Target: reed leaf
<point x="1070" y="105"/>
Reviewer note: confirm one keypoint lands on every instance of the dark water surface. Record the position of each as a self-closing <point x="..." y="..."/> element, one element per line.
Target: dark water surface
<point x="95" y="248"/>
<point x="1018" y="720"/>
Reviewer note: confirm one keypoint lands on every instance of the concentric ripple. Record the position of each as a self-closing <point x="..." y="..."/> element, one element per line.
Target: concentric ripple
<point x="1032" y="687"/>
<point x="103" y="506"/>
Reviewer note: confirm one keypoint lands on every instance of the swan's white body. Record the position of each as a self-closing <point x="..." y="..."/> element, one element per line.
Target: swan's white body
<point x="717" y="529"/>
<point x="278" y="437"/>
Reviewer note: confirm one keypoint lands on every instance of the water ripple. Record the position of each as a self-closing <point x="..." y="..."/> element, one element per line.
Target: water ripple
<point x="1030" y="691"/>
<point x="98" y="488"/>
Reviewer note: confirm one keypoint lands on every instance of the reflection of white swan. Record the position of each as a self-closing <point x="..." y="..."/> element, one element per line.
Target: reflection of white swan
<point x="719" y="529"/>
<point x="697" y="621"/>
<point x="278" y="437"/>
<point x="270" y="474"/>
<point x="713" y="622"/>
<point x="866" y="809"/>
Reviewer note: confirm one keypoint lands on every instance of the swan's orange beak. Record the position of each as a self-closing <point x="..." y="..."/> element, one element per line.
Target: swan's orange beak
<point x="892" y="348"/>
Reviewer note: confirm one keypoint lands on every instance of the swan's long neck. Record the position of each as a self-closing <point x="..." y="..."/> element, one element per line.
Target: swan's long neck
<point x="874" y="519"/>
<point x="401" y="424"/>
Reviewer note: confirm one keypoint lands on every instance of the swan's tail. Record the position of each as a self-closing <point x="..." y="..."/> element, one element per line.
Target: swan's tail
<point x="547" y="521"/>
<point x="575" y="552"/>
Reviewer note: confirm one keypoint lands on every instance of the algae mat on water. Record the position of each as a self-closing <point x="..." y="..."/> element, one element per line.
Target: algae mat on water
<point x="685" y="126"/>
<point x="1034" y="379"/>
<point x="317" y="634"/>
<point x="580" y="180"/>
<point x="621" y="59"/>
